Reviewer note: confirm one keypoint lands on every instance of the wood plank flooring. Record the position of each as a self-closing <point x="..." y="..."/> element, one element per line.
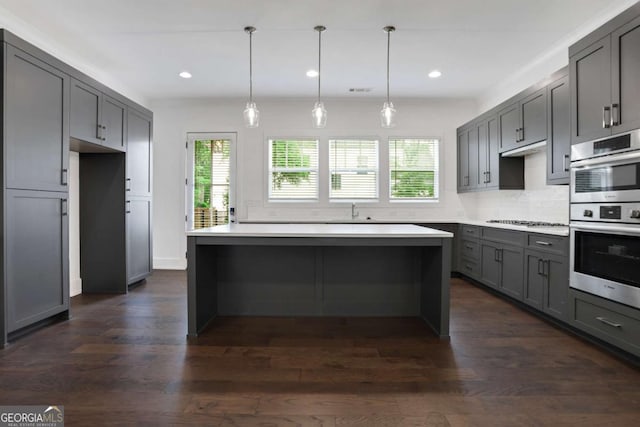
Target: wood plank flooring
<point x="125" y="360"/>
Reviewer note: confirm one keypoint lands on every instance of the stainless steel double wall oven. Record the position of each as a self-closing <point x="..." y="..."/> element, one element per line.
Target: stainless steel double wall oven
<point x="605" y="218"/>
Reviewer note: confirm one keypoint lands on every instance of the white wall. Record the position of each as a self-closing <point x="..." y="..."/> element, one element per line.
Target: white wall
<point x="174" y="118"/>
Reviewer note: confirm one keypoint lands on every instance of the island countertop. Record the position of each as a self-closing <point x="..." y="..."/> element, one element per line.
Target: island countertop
<point x="320" y="230"/>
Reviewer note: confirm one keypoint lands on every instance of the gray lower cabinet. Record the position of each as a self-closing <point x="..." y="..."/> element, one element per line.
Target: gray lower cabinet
<point x="37" y="256"/>
<point x="97" y="118"/>
<point x="609" y="321"/>
<point x="546" y="284"/>
<point x="502" y="268"/>
<point x="36" y="117"/>
<point x="558" y="132"/>
<point x="139" y="249"/>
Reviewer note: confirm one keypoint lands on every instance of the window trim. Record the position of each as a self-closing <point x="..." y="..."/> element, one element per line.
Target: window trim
<point x="269" y="180"/>
<point x="375" y="199"/>
<point x="437" y="179"/>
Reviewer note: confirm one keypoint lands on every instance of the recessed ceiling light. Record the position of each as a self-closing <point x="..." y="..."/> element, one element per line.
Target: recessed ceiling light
<point x="185" y="75"/>
<point x="312" y="73"/>
<point x="434" y="74"/>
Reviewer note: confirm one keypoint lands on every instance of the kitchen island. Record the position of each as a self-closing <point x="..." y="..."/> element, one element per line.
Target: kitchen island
<point x="318" y="270"/>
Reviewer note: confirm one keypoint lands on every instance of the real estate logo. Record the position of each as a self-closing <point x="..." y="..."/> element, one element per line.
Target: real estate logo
<point x="32" y="416"/>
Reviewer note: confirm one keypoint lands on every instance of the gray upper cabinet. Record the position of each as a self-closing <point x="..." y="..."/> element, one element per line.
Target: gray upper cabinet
<point x="625" y="57"/>
<point x="523" y="122"/>
<point x="463" y="159"/>
<point x="591" y="92"/>
<point x="114" y="116"/>
<point x="509" y="127"/>
<point x="36" y="131"/>
<point x="474" y="133"/>
<point x="559" y="132"/>
<point x="605" y="80"/>
<point x="139" y="137"/>
<point x="37" y="256"/>
<point x="97" y="118"/>
<point x="533" y="118"/>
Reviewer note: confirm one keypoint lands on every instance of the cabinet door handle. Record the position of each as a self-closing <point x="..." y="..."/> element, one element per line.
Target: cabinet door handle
<point x="543" y="243"/>
<point x="65" y="176"/>
<point x="468" y="247"/>
<point x="606" y="122"/>
<point x="466" y="180"/>
<point x="128" y="184"/>
<point x="565" y="162"/>
<point x="518" y="135"/>
<point x="609" y="322"/>
<point x="488" y="177"/>
<point x="63" y="207"/>
<point x="540" y="268"/>
<point x="521" y="134"/>
<point x="468" y="267"/>
<point x="128" y="210"/>
<point x="469" y="231"/>
<point x="615" y="115"/>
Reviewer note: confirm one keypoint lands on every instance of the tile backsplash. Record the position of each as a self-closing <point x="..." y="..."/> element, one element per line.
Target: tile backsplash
<point x="537" y="202"/>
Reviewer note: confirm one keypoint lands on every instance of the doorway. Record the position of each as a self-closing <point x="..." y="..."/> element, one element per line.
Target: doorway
<point x="210" y="183"/>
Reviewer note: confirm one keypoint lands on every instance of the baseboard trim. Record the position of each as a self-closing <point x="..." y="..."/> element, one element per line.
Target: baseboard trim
<point x="169" y="264"/>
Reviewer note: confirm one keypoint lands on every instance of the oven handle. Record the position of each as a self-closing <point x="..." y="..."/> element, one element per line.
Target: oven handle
<point x="606" y="159"/>
<point x="603" y="228"/>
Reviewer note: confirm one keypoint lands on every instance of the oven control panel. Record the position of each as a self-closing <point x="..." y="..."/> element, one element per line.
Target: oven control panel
<point x="606" y="212"/>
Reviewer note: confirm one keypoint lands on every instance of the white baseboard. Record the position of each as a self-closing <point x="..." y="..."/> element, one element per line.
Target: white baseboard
<point x="75" y="286"/>
<point x="169" y="264"/>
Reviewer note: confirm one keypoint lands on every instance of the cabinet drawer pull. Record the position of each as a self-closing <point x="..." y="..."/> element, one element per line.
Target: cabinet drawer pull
<point x="543" y="243"/>
<point x="468" y="267"/>
<point x="65" y="177"/>
<point x="128" y="209"/>
<point x="609" y="322"/>
<point x="63" y="207"/>
<point x="606" y="121"/>
<point x="565" y="162"/>
<point x="615" y="115"/>
<point x="470" y="231"/>
<point x="128" y="184"/>
<point x="468" y="247"/>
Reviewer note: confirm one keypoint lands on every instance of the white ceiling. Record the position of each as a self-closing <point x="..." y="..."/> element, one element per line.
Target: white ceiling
<point x="146" y="43"/>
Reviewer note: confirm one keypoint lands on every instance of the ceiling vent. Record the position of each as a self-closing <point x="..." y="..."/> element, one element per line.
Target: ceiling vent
<point x="360" y="89"/>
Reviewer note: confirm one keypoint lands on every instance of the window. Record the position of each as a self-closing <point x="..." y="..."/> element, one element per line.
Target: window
<point x="413" y="169"/>
<point x="353" y="167"/>
<point x="293" y="169"/>
<point x="209" y="179"/>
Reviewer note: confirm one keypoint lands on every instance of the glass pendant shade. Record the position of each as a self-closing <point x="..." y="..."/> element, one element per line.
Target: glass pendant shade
<point x="388" y="115"/>
<point x="251" y="115"/>
<point x="319" y="115"/>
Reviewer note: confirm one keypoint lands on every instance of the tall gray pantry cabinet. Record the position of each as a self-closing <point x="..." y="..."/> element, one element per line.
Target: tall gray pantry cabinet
<point x="38" y="131"/>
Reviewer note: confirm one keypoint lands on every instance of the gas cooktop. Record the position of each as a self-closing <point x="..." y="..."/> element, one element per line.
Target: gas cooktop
<point x="526" y="223"/>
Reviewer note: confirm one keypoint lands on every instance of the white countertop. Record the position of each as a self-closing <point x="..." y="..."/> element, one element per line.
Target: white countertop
<point x="320" y="230"/>
<point x="556" y="231"/>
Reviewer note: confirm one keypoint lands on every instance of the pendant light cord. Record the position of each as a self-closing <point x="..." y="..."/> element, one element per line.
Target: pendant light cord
<point x="388" y="51"/>
<point x="319" y="29"/>
<point x="388" y="29"/>
<point x="250" y="30"/>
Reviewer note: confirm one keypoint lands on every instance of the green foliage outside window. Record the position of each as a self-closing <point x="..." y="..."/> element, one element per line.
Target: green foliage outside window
<point x="203" y="158"/>
<point x="289" y="155"/>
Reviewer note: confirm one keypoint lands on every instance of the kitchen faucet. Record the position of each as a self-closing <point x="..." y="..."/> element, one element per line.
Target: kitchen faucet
<point x="354" y="213"/>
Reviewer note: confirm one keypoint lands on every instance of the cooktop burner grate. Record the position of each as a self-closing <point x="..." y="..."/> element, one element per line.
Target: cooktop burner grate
<point x="526" y="223"/>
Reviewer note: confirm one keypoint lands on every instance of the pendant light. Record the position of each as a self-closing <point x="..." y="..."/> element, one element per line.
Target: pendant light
<point x="319" y="113"/>
<point x="251" y="112"/>
<point x="388" y="113"/>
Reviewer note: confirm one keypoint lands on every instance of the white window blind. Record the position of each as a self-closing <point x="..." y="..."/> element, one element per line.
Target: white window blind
<point x="413" y="169"/>
<point x="353" y="169"/>
<point x="293" y="169"/>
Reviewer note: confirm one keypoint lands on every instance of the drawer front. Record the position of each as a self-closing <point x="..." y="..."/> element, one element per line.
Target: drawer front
<point x="469" y="268"/>
<point x="470" y="231"/>
<point x="516" y="238"/>
<point x="544" y="242"/>
<point x="470" y="249"/>
<point x="618" y="328"/>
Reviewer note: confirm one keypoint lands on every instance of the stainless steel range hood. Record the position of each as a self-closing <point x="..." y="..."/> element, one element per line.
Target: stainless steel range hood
<point x="526" y="150"/>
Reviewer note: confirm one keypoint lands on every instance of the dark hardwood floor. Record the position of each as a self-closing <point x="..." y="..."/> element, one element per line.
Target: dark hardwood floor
<point x="125" y="360"/>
